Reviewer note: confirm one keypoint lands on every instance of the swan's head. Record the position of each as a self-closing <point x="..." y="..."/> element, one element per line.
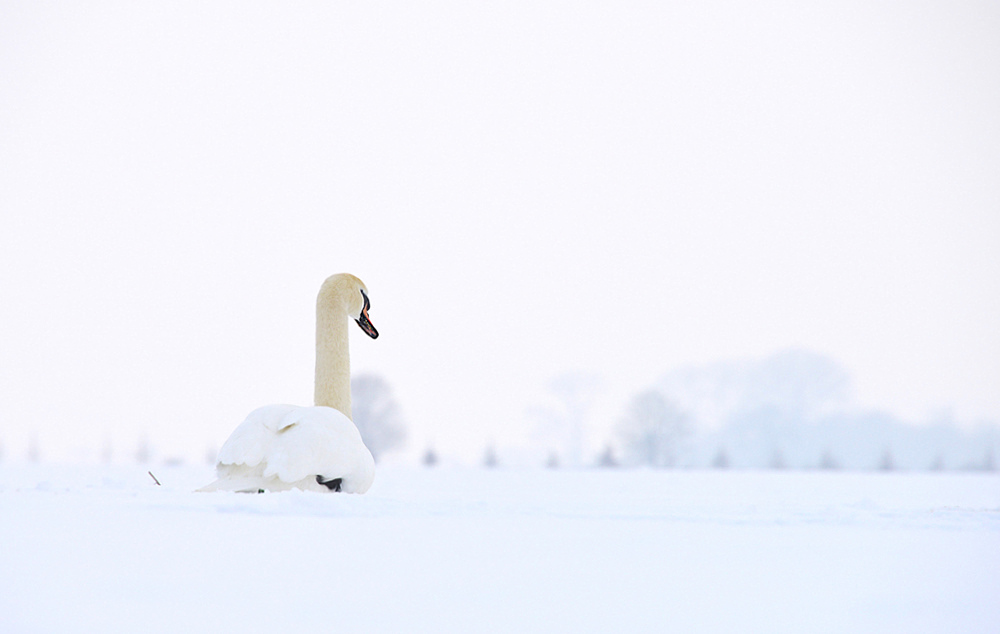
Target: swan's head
<point x="362" y="317"/>
<point x="353" y="293"/>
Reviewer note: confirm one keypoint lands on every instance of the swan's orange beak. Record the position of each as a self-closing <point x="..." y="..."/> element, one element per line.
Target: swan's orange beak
<point x="364" y="321"/>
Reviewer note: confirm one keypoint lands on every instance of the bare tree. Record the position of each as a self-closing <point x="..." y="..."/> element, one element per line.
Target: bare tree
<point x="376" y="414"/>
<point x="989" y="461"/>
<point x="562" y="422"/>
<point x="721" y="459"/>
<point x="430" y="457"/>
<point x="34" y="451"/>
<point x="107" y="451"/>
<point x="552" y="462"/>
<point x="142" y="450"/>
<point x="886" y="463"/>
<point x="777" y="460"/>
<point x="652" y="430"/>
<point x="828" y="462"/>
<point x="607" y="458"/>
<point x="490" y="460"/>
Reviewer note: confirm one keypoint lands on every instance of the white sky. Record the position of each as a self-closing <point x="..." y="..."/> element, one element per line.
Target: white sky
<point x="527" y="188"/>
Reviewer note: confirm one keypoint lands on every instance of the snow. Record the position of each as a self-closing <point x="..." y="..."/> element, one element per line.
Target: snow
<point x="103" y="549"/>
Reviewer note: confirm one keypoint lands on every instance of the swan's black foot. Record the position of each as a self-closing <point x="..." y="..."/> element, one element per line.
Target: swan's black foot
<point x="333" y="485"/>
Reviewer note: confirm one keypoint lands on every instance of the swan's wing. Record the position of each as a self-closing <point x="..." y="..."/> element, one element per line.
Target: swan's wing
<point x="312" y="441"/>
<point x="250" y="442"/>
<point x="294" y="444"/>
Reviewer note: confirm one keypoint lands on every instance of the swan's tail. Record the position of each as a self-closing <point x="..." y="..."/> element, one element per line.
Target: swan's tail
<point x="243" y="479"/>
<point x="239" y="478"/>
<point x="213" y="486"/>
<point x="237" y="486"/>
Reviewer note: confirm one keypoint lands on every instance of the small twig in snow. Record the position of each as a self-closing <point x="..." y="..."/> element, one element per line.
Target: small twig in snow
<point x="154" y="478"/>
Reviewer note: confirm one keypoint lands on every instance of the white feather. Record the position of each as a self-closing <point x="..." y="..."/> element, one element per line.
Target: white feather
<point x="281" y="447"/>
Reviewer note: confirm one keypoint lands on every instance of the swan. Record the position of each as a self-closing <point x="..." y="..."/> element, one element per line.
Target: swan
<point x="283" y="447"/>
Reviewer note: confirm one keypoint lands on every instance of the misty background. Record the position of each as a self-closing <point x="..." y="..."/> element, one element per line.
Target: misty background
<point x="783" y="220"/>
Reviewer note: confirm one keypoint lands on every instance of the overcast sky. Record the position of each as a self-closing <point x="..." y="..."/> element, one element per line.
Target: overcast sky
<point x="527" y="188"/>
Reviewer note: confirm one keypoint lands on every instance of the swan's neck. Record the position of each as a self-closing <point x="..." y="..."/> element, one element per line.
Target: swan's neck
<point x="333" y="363"/>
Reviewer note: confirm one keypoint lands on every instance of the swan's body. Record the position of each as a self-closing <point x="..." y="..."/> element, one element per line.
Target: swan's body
<point x="282" y="447"/>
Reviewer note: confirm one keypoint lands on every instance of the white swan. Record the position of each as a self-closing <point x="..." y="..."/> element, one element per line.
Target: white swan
<point x="282" y="447"/>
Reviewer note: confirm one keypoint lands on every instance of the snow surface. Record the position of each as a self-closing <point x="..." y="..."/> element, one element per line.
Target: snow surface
<point x="103" y="549"/>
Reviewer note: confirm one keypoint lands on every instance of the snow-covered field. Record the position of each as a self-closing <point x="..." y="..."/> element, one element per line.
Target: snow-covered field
<point x="103" y="549"/>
